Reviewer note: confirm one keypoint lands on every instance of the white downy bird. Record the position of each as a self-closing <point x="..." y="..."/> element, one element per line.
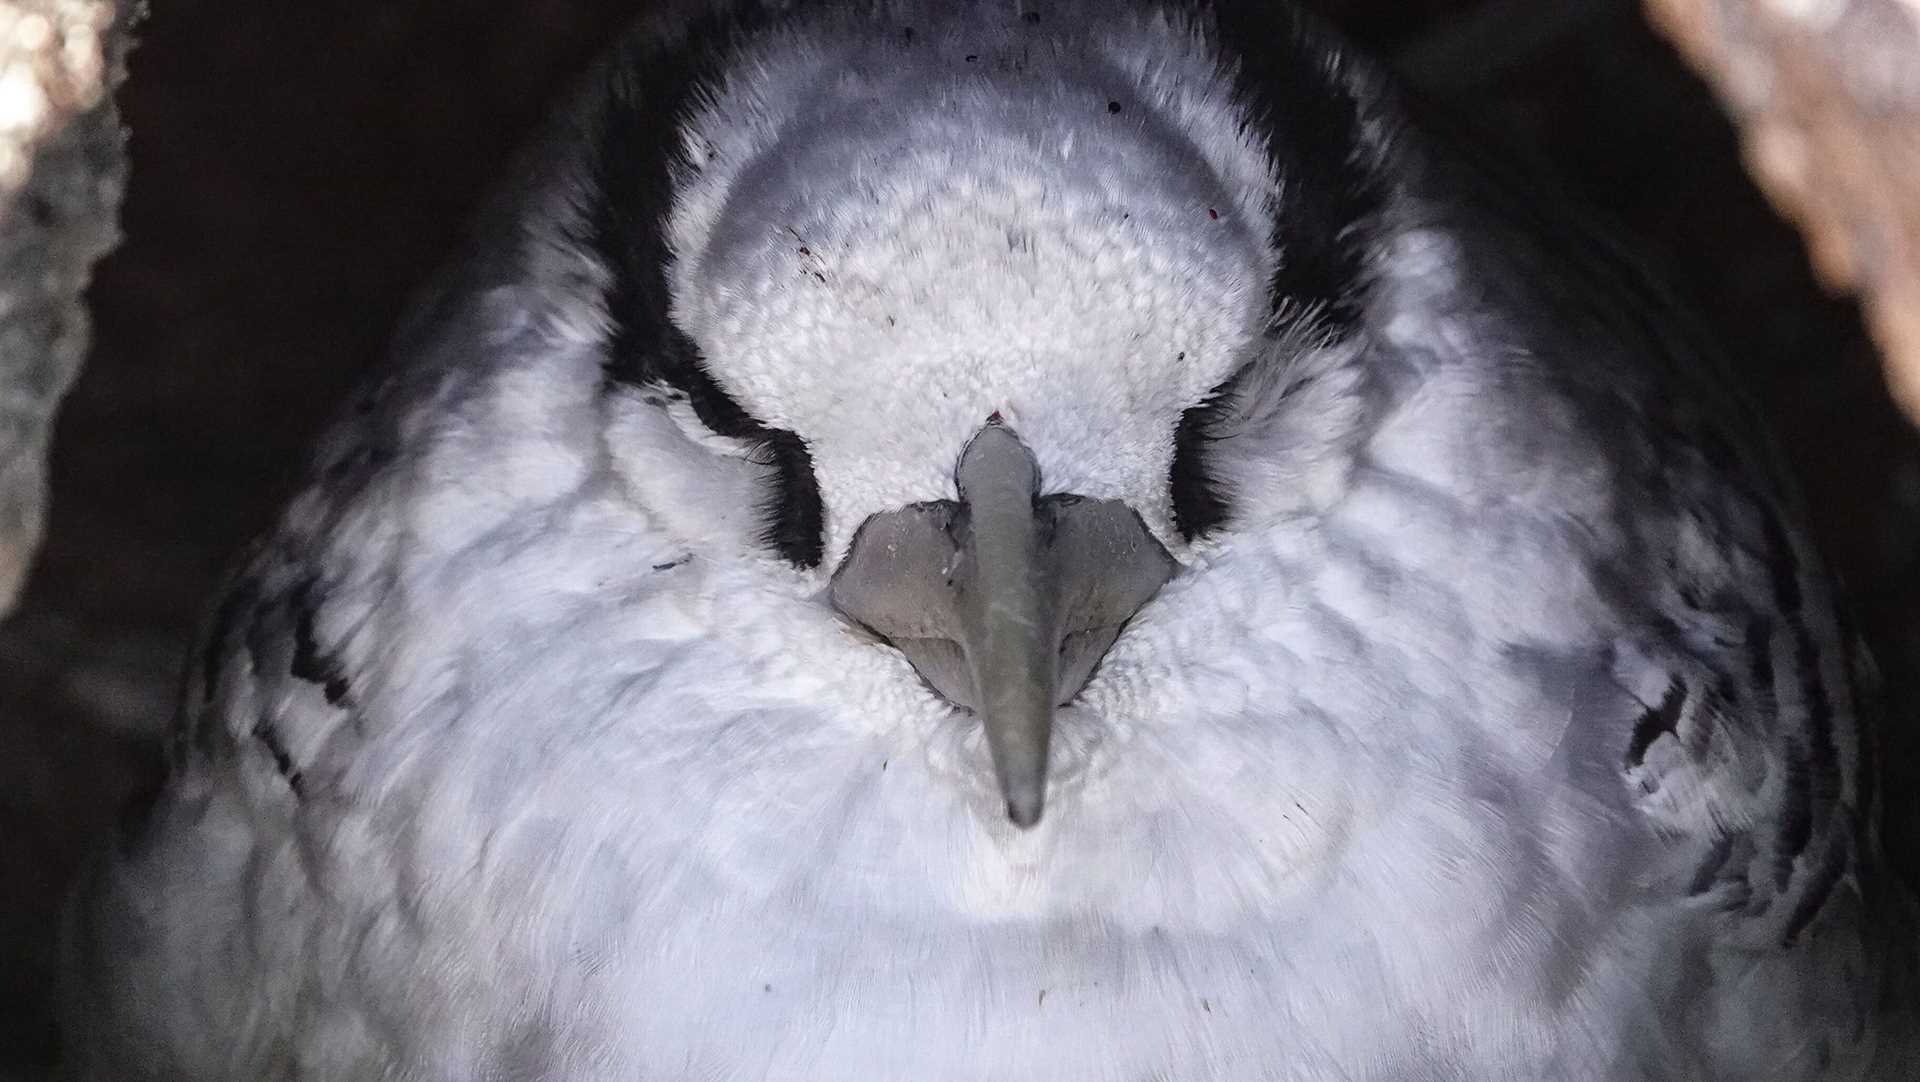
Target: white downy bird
<point x="999" y="542"/>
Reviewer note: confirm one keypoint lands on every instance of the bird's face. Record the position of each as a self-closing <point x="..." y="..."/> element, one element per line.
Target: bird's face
<point x="973" y="335"/>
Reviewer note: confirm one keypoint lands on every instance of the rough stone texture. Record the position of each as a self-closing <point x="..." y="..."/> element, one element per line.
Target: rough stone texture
<point x="1827" y="97"/>
<point x="62" y="170"/>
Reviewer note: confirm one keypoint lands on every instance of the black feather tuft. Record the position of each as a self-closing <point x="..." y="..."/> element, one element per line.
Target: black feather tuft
<point x="309" y="663"/>
<point x="636" y="148"/>
<point x="1297" y="95"/>
<point x="1310" y="116"/>
<point x="795" y="518"/>
<point x="269" y="738"/>
<point x="1199" y="501"/>
<point x="1661" y="720"/>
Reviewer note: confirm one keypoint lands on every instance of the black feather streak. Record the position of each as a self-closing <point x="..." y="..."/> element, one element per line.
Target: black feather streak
<point x="1662" y="719"/>
<point x="1796" y="815"/>
<point x="1199" y="503"/>
<point x="636" y="151"/>
<point x="309" y="663"/>
<point x="1760" y="643"/>
<point x="1705" y="876"/>
<point x="239" y="599"/>
<point x="1311" y="122"/>
<point x="1311" y="119"/>
<point x="268" y="736"/>
<point x="1813" y="771"/>
<point x="1833" y="865"/>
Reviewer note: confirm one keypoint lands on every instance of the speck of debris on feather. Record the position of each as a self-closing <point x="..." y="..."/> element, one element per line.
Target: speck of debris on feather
<point x="1213" y="214"/>
<point x="1113" y="107"/>
<point x="1031" y="18"/>
<point x="1041" y="1001"/>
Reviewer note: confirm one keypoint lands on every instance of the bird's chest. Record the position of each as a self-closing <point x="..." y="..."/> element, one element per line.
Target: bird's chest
<point x="920" y="958"/>
<point x="1274" y="849"/>
<point x="844" y="912"/>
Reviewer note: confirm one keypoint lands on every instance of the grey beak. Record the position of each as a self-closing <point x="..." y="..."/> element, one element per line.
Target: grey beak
<point x="1005" y="601"/>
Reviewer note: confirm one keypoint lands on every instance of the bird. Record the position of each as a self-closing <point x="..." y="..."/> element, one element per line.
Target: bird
<point x="985" y="540"/>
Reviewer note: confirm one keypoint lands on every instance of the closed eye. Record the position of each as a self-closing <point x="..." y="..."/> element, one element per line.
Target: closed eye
<point x="1289" y="359"/>
<point x="626" y="186"/>
<point x="792" y="515"/>
<point x="1199" y="499"/>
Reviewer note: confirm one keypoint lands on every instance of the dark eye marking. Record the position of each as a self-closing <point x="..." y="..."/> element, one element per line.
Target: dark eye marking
<point x="636" y="148"/>
<point x="1301" y="98"/>
<point x="793" y="516"/>
<point x="1199" y="500"/>
<point x="1302" y="94"/>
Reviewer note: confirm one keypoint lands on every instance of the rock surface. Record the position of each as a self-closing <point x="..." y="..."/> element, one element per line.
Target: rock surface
<point x="62" y="171"/>
<point x="1827" y="97"/>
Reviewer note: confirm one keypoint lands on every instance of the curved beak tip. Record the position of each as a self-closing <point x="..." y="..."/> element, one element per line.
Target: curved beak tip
<point x="1024" y="809"/>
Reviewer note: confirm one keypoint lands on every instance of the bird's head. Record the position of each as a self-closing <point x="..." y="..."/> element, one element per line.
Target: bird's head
<point x="968" y="320"/>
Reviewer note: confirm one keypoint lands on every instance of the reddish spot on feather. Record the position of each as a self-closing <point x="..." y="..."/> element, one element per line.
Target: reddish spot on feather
<point x="994" y="418"/>
<point x="1213" y="214"/>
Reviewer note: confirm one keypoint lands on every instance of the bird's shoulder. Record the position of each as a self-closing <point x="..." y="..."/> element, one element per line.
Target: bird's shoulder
<point x="1522" y="348"/>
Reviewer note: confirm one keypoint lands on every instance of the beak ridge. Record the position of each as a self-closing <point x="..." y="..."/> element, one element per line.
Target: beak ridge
<point x="1004" y="601"/>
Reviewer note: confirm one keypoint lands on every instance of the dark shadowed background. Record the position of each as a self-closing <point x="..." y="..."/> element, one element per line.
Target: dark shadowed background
<point x="298" y="169"/>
